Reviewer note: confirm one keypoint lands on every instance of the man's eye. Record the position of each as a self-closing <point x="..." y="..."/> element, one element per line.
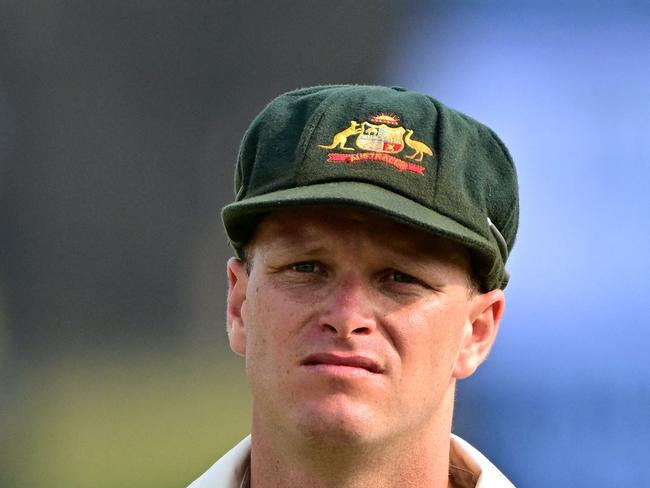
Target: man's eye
<point x="400" y="277"/>
<point x="304" y="267"/>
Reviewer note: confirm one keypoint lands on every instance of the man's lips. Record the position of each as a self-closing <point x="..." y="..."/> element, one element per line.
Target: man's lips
<point x="331" y="359"/>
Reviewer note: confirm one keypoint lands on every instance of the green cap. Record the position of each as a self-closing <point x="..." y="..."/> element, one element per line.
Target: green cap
<point x="392" y="151"/>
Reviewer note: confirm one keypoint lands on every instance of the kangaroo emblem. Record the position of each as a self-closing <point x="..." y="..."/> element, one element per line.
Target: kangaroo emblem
<point x="342" y="137"/>
<point x="420" y="148"/>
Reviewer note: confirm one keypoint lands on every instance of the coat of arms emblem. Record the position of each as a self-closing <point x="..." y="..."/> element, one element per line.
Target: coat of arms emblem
<point x="381" y="136"/>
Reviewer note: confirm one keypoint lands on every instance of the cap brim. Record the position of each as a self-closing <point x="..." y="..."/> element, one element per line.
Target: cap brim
<point x="240" y="218"/>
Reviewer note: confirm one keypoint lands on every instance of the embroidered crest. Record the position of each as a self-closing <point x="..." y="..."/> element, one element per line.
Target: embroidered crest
<point x="381" y="136"/>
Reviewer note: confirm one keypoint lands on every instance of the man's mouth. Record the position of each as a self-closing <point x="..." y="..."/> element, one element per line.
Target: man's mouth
<point x="340" y="361"/>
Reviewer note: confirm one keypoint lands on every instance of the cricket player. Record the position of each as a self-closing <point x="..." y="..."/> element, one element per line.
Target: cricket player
<point x="371" y="228"/>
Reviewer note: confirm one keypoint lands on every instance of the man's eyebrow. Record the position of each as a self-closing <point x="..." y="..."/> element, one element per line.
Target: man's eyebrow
<point x="431" y="251"/>
<point x="298" y="239"/>
<point x="293" y="235"/>
<point x="304" y="248"/>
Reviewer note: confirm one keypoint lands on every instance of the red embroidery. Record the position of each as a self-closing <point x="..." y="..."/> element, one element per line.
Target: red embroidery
<point x="373" y="156"/>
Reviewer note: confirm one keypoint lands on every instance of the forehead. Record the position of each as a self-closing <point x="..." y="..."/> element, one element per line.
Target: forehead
<point x="320" y="226"/>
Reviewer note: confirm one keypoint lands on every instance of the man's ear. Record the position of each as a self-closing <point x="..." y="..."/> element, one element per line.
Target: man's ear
<point x="237" y="284"/>
<point x="480" y="332"/>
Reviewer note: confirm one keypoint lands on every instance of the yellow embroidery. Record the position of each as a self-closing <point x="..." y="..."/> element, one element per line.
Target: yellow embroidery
<point x="342" y="137"/>
<point x="420" y="148"/>
<point x="376" y="141"/>
<point x="379" y="137"/>
<point x="389" y="119"/>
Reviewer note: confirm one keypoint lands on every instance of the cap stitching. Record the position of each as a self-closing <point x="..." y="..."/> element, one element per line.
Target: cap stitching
<point x="436" y="144"/>
<point x="312" y="124"/>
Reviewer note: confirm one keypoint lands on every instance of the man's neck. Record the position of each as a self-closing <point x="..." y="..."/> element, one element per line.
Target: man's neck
<point x="419" y="460"/>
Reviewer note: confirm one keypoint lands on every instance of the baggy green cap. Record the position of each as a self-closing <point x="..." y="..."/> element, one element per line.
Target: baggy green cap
<point x="392" y="151"/>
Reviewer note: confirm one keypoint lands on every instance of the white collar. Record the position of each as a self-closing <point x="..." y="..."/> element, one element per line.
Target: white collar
<point x="228" y="471"/>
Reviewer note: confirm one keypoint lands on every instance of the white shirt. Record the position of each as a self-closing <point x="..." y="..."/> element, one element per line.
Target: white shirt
<point x="468" y="467"/>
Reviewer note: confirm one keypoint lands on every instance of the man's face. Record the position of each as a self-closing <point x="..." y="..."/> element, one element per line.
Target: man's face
<point x="355" y="327"/>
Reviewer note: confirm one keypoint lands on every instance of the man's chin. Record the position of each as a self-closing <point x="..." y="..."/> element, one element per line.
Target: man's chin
<point x="336" y="423"/>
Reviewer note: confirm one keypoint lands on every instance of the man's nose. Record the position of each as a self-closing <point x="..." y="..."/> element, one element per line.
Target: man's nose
<point x="349" y="309"/>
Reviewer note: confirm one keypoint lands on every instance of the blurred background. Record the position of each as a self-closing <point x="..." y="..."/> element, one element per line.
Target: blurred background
<point x="119" y="127"/>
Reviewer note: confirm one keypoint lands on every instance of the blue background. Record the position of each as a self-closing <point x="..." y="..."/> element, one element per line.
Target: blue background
<point x="564" y="399"/>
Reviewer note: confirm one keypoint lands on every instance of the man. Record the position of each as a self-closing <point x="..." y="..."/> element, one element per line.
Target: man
<point x="372" y="226"/>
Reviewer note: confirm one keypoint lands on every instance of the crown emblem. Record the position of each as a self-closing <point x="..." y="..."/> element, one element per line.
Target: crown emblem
<point x="388" y="119"/>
